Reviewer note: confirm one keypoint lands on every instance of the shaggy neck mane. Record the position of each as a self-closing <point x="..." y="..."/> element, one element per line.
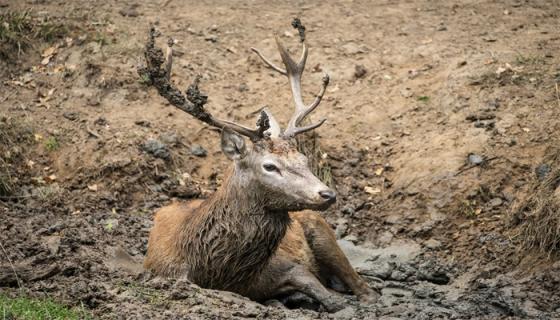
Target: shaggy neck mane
<point x="232" y="236"/>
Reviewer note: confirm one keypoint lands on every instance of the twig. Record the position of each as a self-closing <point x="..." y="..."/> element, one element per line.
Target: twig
<point x="15" y="197"/>
<point x="256" y="112"/>
<point x="11" y="265"/>
<point x="475" y="165"/>
<point x="93" y="133"/>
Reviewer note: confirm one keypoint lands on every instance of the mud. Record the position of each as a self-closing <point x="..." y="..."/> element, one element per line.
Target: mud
<point x="438" y="116"/>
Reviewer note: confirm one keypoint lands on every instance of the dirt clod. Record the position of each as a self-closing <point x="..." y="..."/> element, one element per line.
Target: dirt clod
<point x="157" y="149"/>
<point x="198" y="150"/>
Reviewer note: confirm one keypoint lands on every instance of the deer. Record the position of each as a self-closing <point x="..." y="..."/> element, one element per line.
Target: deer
<point x="260" y="234"/>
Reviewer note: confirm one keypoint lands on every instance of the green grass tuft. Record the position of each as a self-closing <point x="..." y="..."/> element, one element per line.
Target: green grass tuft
<point x="38" y="309"/>
<point x="51" y="144"/>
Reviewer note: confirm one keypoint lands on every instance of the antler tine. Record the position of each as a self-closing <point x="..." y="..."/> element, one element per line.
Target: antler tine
<point x="268" y="62"/>
<point x="294" y="71"/>
<point x="194" y="102"/>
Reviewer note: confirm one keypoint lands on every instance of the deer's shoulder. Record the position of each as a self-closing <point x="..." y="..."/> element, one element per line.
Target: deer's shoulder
<point x="175" y="211"/>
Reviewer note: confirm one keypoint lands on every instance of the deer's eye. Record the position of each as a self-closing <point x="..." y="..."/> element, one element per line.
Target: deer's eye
<point x="270" y="167"/>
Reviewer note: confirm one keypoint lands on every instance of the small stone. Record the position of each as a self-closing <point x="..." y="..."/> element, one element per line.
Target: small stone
<point x="475" y="159"/>
<point x="101" y="121"/>
<point x="157" y="149"/>
<point x="385" y="237"/>
<point x="399" y="275"/>
<point x="198" y="150"/>
<point x="496" y="202"/>
<point x="542" y="171"/>
<point x="348" y="210"/>
<point x="360" y="71"/>
<point x="393" y="219"/>
<point x="53" y="243"/>
<point x="211" y="38"/>
<point x="432" y="244"/>
<point x="372" y="190"/>
<point x="72" y="116"/>
<point x="129" y="11"/>
<point x="353" y="161"/>
<point x="422" y="293"/>
<point x="346" y="313"/>
<point x="143" y="123"/>
<point x="352" y="238"/>
<point x="243" y="87"/>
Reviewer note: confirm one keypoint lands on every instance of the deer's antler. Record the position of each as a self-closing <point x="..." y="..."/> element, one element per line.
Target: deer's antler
<point x="294" y="71"/>
<point x="194" y="101"/>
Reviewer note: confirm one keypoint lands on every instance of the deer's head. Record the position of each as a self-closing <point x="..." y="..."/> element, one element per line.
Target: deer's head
<point x="272" y="165"/>
<point x="275" y="169"/>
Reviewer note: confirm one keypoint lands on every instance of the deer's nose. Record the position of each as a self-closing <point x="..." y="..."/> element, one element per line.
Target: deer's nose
<point x="328" y="195"/>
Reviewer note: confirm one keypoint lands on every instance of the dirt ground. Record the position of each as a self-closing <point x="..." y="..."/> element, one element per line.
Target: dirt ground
<point x="437" y="114"/>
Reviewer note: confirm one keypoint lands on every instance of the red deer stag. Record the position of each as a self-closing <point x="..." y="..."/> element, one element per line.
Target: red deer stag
<point x="249" y="237"/>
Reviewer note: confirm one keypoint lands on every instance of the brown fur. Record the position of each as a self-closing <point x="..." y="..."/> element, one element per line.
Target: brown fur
<point x="232" y="242"/>
<point x="220" y="243"/>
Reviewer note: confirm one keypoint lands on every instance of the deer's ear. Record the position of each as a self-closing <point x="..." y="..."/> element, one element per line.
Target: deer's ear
<point x="233" y="145"/>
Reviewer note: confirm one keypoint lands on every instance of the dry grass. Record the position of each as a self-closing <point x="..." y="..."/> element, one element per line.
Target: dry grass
<point x="538" y="214"/>
<point x="309" y="145"/>
<point x="19" y="30"/>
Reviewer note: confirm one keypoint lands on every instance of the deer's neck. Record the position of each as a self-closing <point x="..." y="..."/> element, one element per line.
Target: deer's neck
<point x="233" y="235"/>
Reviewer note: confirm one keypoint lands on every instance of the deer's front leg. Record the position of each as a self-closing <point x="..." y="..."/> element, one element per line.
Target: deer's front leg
<point x="300" y="279"/>
<point x="283" y="277"/>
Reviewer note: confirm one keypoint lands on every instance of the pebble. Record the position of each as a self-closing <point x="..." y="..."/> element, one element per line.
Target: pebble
<point x="129" y="11"/>
<point x="432" y="244"/>
<point x="346" y="313"/>
<point x="348" y="210"/>
<point x="542" y="171"/>
<point x="143" y="123"/>
<point x="198" y="150"/>
<point x="496" y="202"/>
<point x="352" y="238"/>
<point x="156" y="148"/>
<point x="72" y="116"/>
<point x="360" y="71"/>
<point x="475" y="159"/>
<point x="211" y="38"/>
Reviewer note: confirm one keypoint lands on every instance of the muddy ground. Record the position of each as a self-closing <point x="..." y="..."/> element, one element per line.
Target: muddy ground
<point x="437" y="115"/>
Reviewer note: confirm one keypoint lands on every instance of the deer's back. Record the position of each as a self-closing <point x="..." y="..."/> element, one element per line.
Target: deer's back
<point x="163" y="255"/>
